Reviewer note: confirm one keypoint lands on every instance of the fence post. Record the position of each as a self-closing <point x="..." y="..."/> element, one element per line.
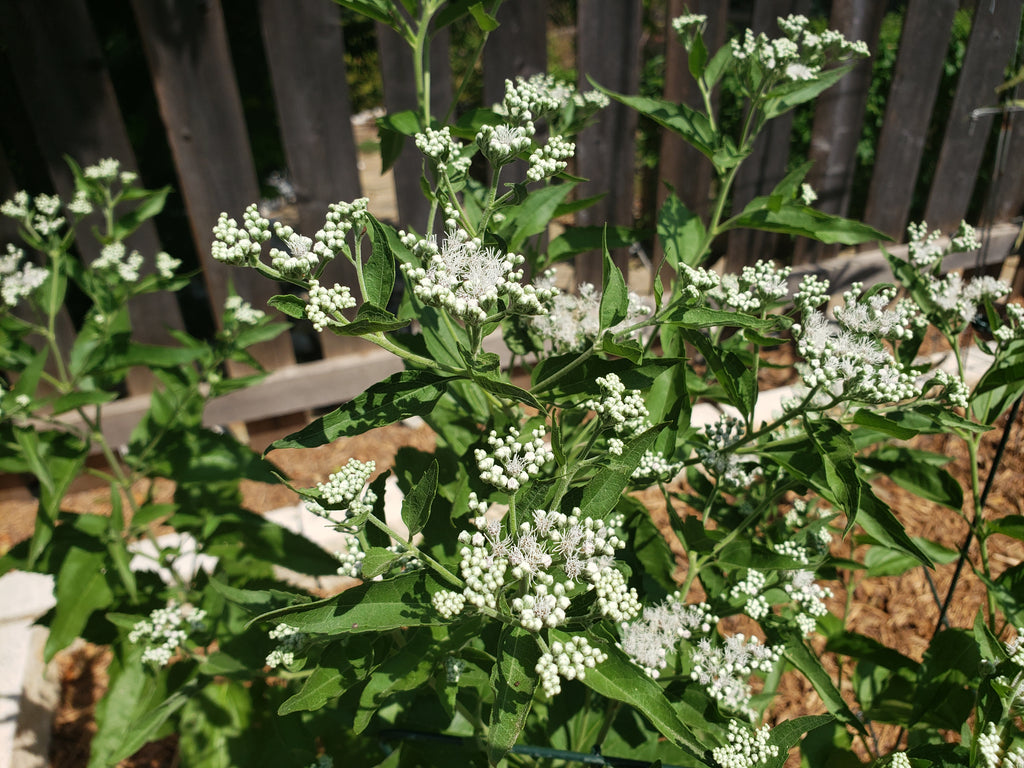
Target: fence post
<point x="989" y="50"/>
<point x="306" y="58"/>
<point x="187" y="50"/>
<point x="922" y="54"/>
<point x="59" y="69"/>
<point x="838" y="117"/>
<point x="608" y="47"/>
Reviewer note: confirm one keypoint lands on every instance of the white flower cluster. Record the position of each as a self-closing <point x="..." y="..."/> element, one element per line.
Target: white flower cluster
<point x="18" y="281"/>
<point x="754" y="289"/>
<point x="801" y="54"/>
<point x="899" y="760"/>
<point x="166" y="265"/>
<point x="553" y="544"/>
<point x="1013" y="324"/>
<point x="467" y="278"/>
<point x="848" y="362"/>
<point x="324" y="304"/>
<point x="347" y="491"/>
<point x="572" y="320"/>
<point x="794" y="551"/>
<point x="694" y="282"/>
<point x="108" y="169"/>
<point x="724" y="670"/>
<point x="809" y="598"/>
<point x="654" y="466"/>
<point x="732" y="471"/>
<point x="39" y="214"/>
<point x="926" y="253"/>
<point x="954" y="388"/>
<point x="501" y="144"/>
<point x="624" y="411"/>
<point x="570" y="660"/>
<point x="688" y="26"/>
<point x="242" y="311"/>
<point x="746" y="748"/>
<point x="240" y="246"/>
<point x="542" y="96"/>
<point x="869" y="314"/>
<point x="962" y="301"/>
<point x="166" y="630"/>
<point x="807" y="194"/>
<point x="444" y="150"/>
<point x="751" y="586"/>
<point x="113" y="257"/>
<point x="289" y="640"/>
<point x="992" y="752"/>
<point x="649" y="640"/>
<point x="511" y="463"/>
<point x="341" y="219"/>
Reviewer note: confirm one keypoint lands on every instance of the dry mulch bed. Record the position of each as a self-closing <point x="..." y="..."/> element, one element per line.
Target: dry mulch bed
<point x="898" y="611"/>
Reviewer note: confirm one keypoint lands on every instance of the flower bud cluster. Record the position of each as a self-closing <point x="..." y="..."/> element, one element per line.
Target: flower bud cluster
<point x="40" y="214"/>
<point x="346" y="490"/>
<point x="754" y="289"/>
<point x="240" y="246"/>
<point x="924" y="251"/>
<point x="351" y="559"/>
<point x="993" y="754"/>
<point x="324" y="305"/>
<point x="807" y="195"/>
<point x="899" y="760"/>
<point x="166" y="265"/>
<point x="341" y="219"/>
<point x="688" y="26"/>
<point x="615" y="599"/>
<point x="115" y="259"/>
<point x="809" y="598"/>
<point x="299" y="261"/>
<point x="466" y="278"/>
<point x="511" y="463"/>
<point x="724" y="670"/>
<point x="746" y="748"/>
<point x="718" y="457"/>
<point x="570" y="660"/>
<point x="793" y="550"/>
<point x="453" y="669"/>
<point x="624" y="411"/>
<point x="954" y="389"/>
<point x="166" y="630"/>
<point x="289" y="640"/>
<point x="572" y="320"/>
<point x="550" y="159"/>
<point x="756" y="606"/>
<point x="18" y="281"/>
<point x="448" y="604"/>
<point x="542" y="608"/>
<point x="240" y="311"/>
<point x="1015" y="648"/>
<point x="694" y="282"/>
<point x="444" y="150"/>
<point x="649" y="640"/>
<point x="543" y="96"/>
<point x="1013" y="325"/>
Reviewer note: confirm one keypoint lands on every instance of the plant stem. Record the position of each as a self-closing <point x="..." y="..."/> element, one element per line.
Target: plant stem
<point x="443" y="572"/>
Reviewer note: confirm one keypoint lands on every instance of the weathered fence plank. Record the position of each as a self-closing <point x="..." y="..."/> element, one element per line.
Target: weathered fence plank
<point x="919" y="64"/>
<point x="66" y="88"/>
<point x="766" y="165"/>
<point x="400" y="94"/>
<point x="838" y="118"/>
<point x="989" y="51"/>
<point x="306" y="56"/>
<point x="608" y="46"/>
<point x="187" y="50"/>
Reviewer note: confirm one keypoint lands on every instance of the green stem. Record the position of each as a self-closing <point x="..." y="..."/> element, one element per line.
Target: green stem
<point x="584" y="356"/>
<point x="441" y="571"/>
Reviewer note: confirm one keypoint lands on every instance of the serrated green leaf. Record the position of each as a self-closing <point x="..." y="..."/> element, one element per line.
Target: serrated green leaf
<point x="416" y="506"/>
<point x="787" y="734"/>
<point x="602" y="493"/>
<point x="405" y="394"/>
<point x="379" y="270"/>
<point x="913" y="471"/>
<point x="289" y="304"/>
<point x="514" y="681"/>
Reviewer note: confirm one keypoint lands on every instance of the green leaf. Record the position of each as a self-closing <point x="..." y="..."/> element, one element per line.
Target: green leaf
<point x="786" y="735"/>
<point x="1011" y="525"/>
<point x="256" y="601"/>
<point x="379" y="270"/>
<point x="882" y="561"/>
<point x="706" y="317"/>
<point x="1000" y="385"/>
<point x="341" y="667"/>
<point x="618" y="679"/>
<point x="376" y="561"/>
<point x="576" y="240"/>
<point x="416" y="506"/>
<point x="373" y="606"/>
<point x="404" y="670"/>
<point x="513" y="680"/>
<point x="693" y="126"/>
<point x="532" y="216"/>
<point x="405" y="394"/>
<point x="370" y="319"/>
<point x="923" y="478"/>
<point x="602" y="493"/>
<point x="392" y="130"/>
<point x="795" y="219"/>
<point x="484" y="20"/>
<point x="81" y="590"/>
<point x="152" y="204"/>
<point x="378" y="10"/>
<point x="289" y="304"/>
<point x="788" y="95"/>
<point x="800" y="656"/>
<point x="698" y="58"/>
<point x="214" y="726"/>
<point x="733" y="374"/>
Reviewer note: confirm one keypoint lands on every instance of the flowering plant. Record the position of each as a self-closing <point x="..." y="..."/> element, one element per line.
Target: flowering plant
<point x="523" y="605"/>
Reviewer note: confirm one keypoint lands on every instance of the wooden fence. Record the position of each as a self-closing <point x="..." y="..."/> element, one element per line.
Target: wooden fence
<point x="59" y="74"/>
